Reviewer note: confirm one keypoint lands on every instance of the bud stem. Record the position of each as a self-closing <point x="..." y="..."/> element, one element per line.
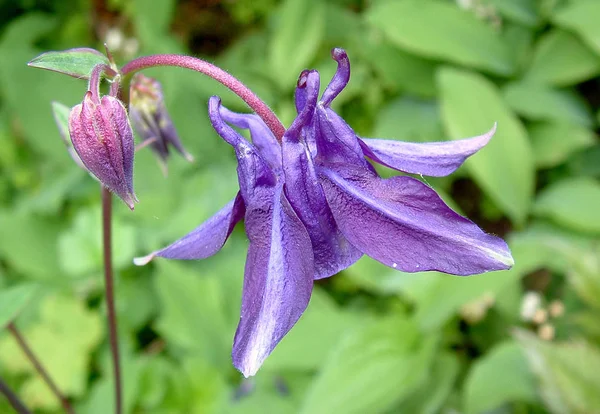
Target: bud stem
<point x="13" y="399"/>
<point x="39" y="367"/>
<point x="96" y="77"/>
<point x="217" y="74"/>
<point x="109" y="289"/>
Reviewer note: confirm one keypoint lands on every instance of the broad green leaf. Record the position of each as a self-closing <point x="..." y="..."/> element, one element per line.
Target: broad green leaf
<point x="12" y="300"/>
<point x="542" y="103"/>
<point x="581" y="17"/>
<point x="371" y="369"/>
<point x="430" y="396"/>
<point x="158" y="16"/>
<point x="73" y="62"/>
<point x="520" y="11"/>
<point x="505" y="168"/>
<point x="28" y="93"/>
<point x="586" y="163"/>
<point x="441" y="30"/>
<point x="554" y="142"/>
<point x="399" y="70"/>
<point x="198" y="308"/>
<point x="293" y="46"/>
<point x="63" y="339"/>
<point x="407" y="119"/>
<point x="567" y="373"/>
<point x="80" y="247"/>
<point x="572" y="202"/>
<point x="307" y="345"/>
<point x="28" y="244"/>
<point x="499" y="377"/>
<point x="561" y="59"/>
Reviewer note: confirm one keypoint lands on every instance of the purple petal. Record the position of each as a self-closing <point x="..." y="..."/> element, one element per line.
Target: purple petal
<point x="278" y="278"/>
<point x="336" y="141"/>
<point x="262" y="137"/>
<point x="253" y="169"/>
<point x="432" y="158"/>
<point x="206" y="239"/>
<point x="404" y="224"/>
<point x="332" y="252"/>
<point x="340" y="79"/>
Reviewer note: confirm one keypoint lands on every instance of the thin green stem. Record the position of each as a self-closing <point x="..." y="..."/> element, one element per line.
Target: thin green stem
<point x="110" y="298"/>
<point x="13" y="399"/>
<point x="39" y="367"/>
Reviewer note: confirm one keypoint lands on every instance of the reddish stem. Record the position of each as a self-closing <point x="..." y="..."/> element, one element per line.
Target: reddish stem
<point x="110" y="299"/>
<point x="39" y="367"/>
<point x="217" y="74"/>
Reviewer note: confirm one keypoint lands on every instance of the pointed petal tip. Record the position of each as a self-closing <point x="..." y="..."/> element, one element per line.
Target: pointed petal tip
<point x="142" y="261"/>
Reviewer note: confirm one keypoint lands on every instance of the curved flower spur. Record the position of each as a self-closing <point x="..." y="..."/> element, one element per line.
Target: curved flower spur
<point x="313" y="205"/>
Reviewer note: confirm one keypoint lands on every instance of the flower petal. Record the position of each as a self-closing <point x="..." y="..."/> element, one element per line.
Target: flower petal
<point x="253" y="170"/>
<point x="278" y="279"/>
<point x="432" y="158"/>
<point x="341" y="77"/>
<point x="332" y="252"/>
<point x="404" y="224"/>
<point x="262" y="137"/>
<point x="206" y="239"/>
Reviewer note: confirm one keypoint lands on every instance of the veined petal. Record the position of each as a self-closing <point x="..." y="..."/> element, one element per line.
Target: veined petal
<point x="341" y="77"/>
<point x="253" y="170"/>
<point x="278" y="279"/>
<point x="332" y="252"/>
<point x="432" y="158"/>
<point x="404" y="224"/>
<point x="206" y="239"/>
<point x="262" y="137"/>
<point x="336" y="141"/>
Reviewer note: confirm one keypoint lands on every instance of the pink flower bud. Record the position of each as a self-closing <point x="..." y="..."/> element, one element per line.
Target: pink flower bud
<point x="103" y="139"/>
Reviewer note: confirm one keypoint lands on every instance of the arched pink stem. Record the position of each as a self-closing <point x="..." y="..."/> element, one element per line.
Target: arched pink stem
<point x="217" y="74"/>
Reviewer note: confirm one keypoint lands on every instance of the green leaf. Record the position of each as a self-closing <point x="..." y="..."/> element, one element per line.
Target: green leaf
<point x="371" y="369"/>
<point x="582" y="17"/>
<point x="560" y="59"/>
<point x="572" y="202"/>
<point x="80" y="247"/>
<point x="63" y="339"/>
<point x="505" y="168"/>
<point x="501" y="376"/>
<point x="542" y="103"/>
<point x="293" y="46"/>
<point x="307" y="345"/>
<point x="399" y="70"/>
<point x="200" y="305"/>
<point x="407" y="119"/>
<point x="73" y="62"/>
<point x="567" y="373"/>
<point x="13" y="299"/>
<point x="440" y="30"/>
<point x="430" y="396"/>
<point x="520" y="11"/>
<point x="28" y="244"/>
<point x="61" y="116"/>
<point x="554" y="142"/>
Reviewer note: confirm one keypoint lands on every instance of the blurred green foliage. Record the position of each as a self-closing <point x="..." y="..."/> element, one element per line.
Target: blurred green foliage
<point x="373" y="339"/>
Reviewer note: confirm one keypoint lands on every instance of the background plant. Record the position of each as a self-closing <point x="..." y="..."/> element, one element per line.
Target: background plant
<point x="372" y="340"/>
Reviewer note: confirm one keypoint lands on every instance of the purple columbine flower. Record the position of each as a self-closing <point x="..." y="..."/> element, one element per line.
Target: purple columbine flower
<point x="103" y="139"/>
<point x="313" y="205"/>
<point x="151" y="119"/>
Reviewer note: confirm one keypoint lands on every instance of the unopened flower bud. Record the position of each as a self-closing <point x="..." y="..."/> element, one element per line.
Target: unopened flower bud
<point x="151" y="119"/>
<point x="103" y="139"/>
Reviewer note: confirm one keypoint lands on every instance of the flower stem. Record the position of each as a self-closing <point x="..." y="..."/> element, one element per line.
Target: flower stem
<point x="217" y="74"/>
<point x="13" y="399"/>
<point x="39" y="367"/>
<point x="110" y="299"/>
